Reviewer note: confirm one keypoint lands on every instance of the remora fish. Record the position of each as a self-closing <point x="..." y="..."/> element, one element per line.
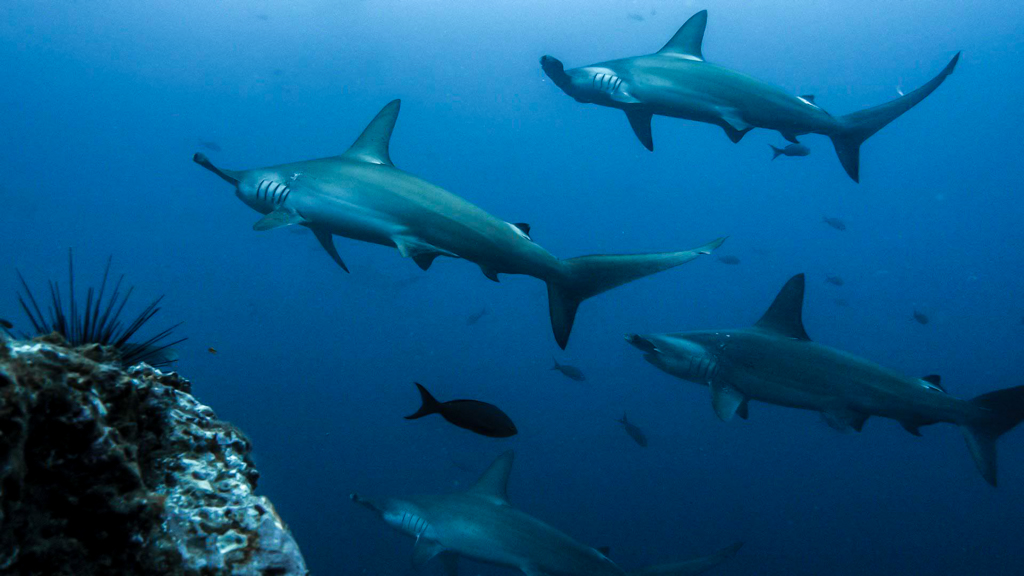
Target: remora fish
<point x="677" y="82"/>
<point x="633" y="430"/>
<point x="776" y="362"/>
<point x="473" y="415"/>
<point x="481" y="525"/>
<point x="361" y="195"/>
<point x="791" y="150"/>
<point x="570" y="372"/>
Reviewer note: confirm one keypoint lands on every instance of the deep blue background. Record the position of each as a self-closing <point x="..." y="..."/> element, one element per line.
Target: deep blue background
<point x="103" y="103"/>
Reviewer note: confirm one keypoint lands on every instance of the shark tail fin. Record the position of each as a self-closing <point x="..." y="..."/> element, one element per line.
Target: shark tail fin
<point x="588" y="276"/>
<point x="430" y="404"/>
<point x="691" y="567"/>
<point x="857" y="127"/>
<point x="230" y="176"/>
<point x="776" y="152"/>
<point x="1001" y="410"/>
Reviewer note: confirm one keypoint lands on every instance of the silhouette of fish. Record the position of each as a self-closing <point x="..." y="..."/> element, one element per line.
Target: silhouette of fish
<point x="571" y="372"/>
<point x="921" y="317"/>
<point x="476" y="316"/>
<point x="480" y="417"/>
<point x="834" y="279"/>
<point x="731" y="260"/>
<point x="5" y="324"/>
<point x="633" y="430"/>
<point x="210" y="145"/>
<point x="791" y="150"/>
<point x="636" y="17"/>
<point x="836" y="223"/>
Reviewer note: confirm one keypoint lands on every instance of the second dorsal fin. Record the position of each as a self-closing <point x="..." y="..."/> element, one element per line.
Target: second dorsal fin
<point x="785" y="316"/>
<point x="688" y="39"/>
<point x="493" y="483"/>
<point x="372" y="144"/>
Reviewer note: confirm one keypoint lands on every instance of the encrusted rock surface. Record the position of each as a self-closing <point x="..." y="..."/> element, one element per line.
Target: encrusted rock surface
<point x="110" y="471"/>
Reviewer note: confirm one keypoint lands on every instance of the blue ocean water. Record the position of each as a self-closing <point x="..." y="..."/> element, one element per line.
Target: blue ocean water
<point x="104" y="102"/>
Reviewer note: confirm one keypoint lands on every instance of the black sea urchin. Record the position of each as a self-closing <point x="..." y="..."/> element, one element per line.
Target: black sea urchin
<point x="99" y="322"/>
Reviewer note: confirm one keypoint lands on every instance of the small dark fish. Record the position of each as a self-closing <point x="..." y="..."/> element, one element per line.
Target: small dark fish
<point x="210" y="145"/>
<point x="633" y="430"/>
<point x="571" y="372"/>
<point x="834" y="279"/>
<point x="480" y="417"/>
<point x="476" y="316"/>
<point x="636" y="17"/>
<point x="211" y="350"/>
<point x="263" y="16"/>
<point x="841" y="302"/>
<point x="5" y="324"/>
<point x="836" y="223"/>
<point x="731" y="260"/>
<point x="920" y="317"/>
<point x="791" y="150"/>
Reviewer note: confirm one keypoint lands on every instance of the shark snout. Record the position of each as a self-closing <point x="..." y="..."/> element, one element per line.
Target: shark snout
<point x="364" y="502"/>
<point x="556" y="71"/>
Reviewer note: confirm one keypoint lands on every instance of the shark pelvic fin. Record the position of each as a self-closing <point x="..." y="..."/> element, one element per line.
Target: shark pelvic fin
<point x="688" y="39"/>
<point x="326" y="240"/>
<point x="490" y="273"/>
<point x="785" y="316"/>
<point x="735" y="135"/>
<point x="422" y="253"/>
<point x="844" y="419"/>
<point x="278" y="218"/>
<point x="372" y="144"/>
<point x="493" y="484"/>
<point x="640" y="121"/>
<point x="912" y="427"/>
<point x="423" y="551"/>
<point x="732" y="118"/>
<point x="726" y="400"/>
<point x="935" y="380"/>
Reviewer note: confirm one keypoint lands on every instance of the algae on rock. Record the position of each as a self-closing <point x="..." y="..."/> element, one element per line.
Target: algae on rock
<point x="111" y="471"/>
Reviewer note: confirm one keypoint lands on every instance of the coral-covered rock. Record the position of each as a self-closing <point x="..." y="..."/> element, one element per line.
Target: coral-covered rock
<point x="111" y="471"/>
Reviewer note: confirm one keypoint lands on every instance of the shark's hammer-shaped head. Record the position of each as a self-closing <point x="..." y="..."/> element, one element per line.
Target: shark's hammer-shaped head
<point x="263" y="190"/>
<point x="589" y="84"/>
<point x="402" y="515"/>
<point x="685" y="356"/>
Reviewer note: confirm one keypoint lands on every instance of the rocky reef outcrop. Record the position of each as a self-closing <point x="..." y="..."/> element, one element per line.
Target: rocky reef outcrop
<point x="111" y="471"/>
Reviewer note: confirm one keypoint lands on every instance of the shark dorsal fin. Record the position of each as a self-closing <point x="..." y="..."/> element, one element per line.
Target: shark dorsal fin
<point x="935" y="380"/>
<point x="785" y="316"/>
<point x="687" y="41"/>
<point x="372" y="144"/>
<point x="493" y="483"/>
<point x="808" y="97"/>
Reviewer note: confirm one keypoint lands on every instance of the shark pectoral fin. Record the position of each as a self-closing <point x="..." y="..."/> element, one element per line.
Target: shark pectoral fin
<point x="844" y="419"/>
<point x="790" y="137"/>
<point x="450" y="564"/>
<point x="640" y="121"/>
<point x="490" y="273"/>
<point x="326" y="240"/>
<point x="424" y="550"/>
<point x="744" y="409"/>
<point x="277" y="219"/>
<point x="726" y="400"/>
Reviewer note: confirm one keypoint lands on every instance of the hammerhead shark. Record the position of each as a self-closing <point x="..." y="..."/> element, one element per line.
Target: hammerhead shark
<point x="361" y="195"/>
<point x="677" y="82"/>
<point x="776" y="362"/>
<point x="481" y="525"/>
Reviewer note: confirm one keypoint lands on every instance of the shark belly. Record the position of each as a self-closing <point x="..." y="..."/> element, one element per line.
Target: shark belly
<point x="504" y="536"/>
